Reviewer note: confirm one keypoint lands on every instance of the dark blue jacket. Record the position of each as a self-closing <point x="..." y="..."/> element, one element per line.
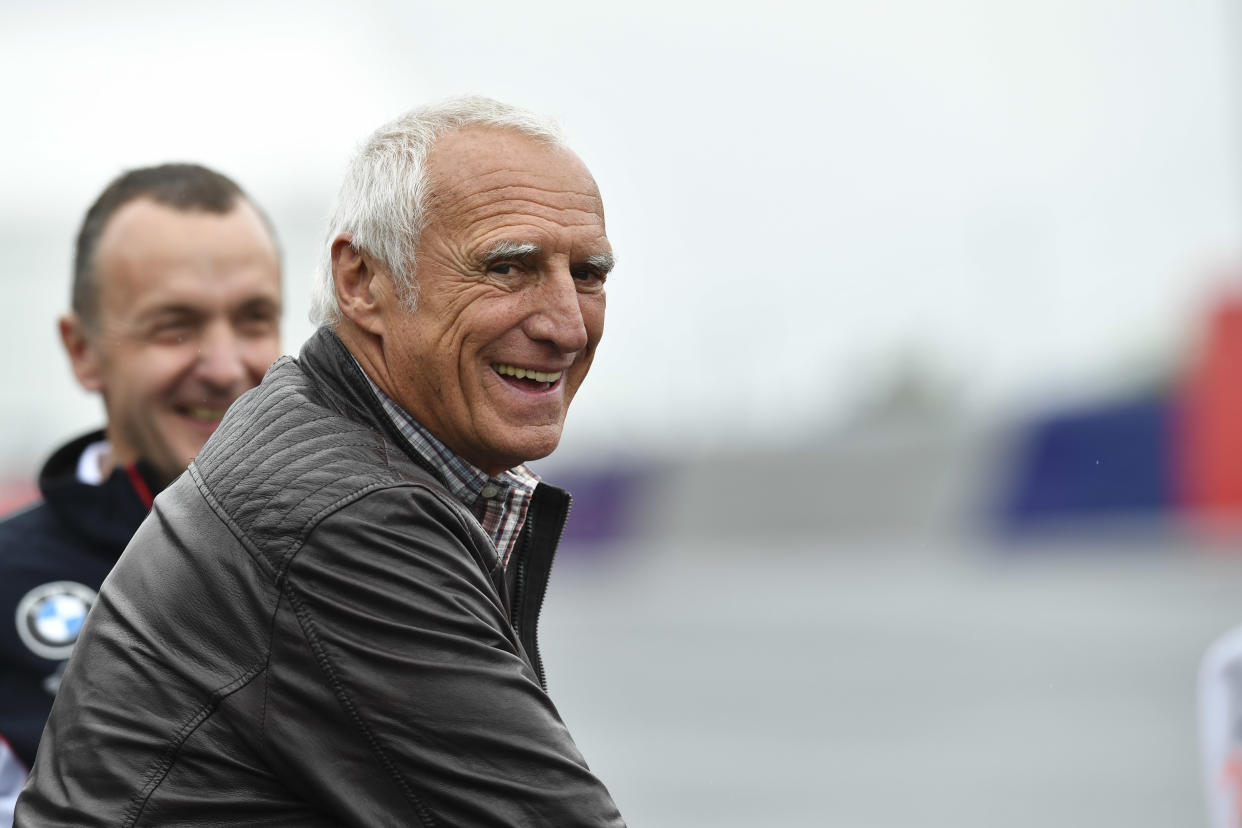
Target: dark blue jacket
<point x="54" y="555"/>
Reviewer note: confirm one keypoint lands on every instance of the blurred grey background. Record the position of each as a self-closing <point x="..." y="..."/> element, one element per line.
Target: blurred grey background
<point x="879" y="265"/>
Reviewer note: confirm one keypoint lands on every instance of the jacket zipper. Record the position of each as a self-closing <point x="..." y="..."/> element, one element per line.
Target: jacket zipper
<point x="519" y="589"/>
<point x="539" y="607"/>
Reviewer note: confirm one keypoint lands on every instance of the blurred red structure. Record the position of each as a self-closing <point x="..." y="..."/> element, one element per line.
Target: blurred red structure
<point x="1209" y="421"/>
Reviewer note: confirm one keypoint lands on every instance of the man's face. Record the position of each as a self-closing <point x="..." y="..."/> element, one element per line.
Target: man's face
<point x="189" y="315"/>
<point x="510" y="275"/>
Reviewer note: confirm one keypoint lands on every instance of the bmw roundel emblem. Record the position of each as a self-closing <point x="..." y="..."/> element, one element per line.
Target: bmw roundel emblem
<point x="50" y="617"/>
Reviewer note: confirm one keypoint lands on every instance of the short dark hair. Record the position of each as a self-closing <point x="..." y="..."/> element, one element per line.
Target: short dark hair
<point x="179" y="186"/>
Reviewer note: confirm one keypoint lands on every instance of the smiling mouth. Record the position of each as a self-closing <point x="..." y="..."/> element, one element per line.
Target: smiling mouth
<point x="527" y="378"/>
<point x="201" y="414"/>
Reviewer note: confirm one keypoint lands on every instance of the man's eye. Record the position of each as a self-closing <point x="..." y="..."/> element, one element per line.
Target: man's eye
<point x="170" y="331"/>
<point x="256" y="323"/>
<point x="589" y="277"/>
<point x="257" y="317"/>
<point x="504" y="269"/>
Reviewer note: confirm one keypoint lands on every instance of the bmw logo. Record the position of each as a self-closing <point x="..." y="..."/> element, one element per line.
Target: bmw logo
<point x="50" y="617"/>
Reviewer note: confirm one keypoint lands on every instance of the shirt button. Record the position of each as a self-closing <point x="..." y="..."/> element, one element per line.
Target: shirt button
<point x="490" y="491"/>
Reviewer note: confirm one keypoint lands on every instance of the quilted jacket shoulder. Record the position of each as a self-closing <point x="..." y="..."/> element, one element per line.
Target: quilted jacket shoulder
<point x="284" y="459"/>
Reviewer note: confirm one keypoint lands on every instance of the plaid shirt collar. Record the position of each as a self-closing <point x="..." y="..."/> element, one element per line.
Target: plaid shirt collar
<point x="499" y="503"/>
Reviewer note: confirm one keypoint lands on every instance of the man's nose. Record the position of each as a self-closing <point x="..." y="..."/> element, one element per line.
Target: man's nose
<point x="558" y="317"/>
<point x="221" y="364"/>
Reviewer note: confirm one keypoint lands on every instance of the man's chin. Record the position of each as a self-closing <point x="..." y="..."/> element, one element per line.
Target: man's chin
<point x="535" y="446"/>
<point x="512" y="446"/>
<point x="178" y="456"/>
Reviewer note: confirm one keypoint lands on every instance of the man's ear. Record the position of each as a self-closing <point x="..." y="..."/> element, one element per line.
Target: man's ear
<point x="361" y="291"/>
<point x="82" y="349"/>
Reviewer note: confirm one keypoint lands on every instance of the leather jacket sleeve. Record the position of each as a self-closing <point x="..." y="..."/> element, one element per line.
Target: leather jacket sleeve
<point x="399" y="693"/>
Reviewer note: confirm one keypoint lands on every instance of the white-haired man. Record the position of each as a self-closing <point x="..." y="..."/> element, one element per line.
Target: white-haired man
<point x="331" y="619"/>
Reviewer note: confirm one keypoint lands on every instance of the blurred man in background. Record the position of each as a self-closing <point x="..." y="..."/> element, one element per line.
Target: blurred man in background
<point x="175" y="312"/>
<point x="333" y="614"/>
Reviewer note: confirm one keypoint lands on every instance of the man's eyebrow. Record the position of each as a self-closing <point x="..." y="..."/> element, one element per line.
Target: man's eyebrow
<point x="602" y="262"/>
<point x="264" y="303"/>
<point x="501" y="250"/>
<point x="171" y="309"/>
<point x="510" y="250"/>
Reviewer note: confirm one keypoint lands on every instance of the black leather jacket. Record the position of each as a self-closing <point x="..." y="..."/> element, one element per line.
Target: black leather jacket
<point x="309" y="630"/>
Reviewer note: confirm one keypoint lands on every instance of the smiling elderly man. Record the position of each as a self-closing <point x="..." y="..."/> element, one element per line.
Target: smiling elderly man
<point x="331" y="619"/>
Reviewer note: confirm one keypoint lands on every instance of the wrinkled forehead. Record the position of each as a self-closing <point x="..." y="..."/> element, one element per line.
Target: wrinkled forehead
<point x="470" y="168"/>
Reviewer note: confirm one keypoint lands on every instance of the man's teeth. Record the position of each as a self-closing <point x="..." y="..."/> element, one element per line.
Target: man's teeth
<point x="526" y="373"/>
<point x="206" y="414"/>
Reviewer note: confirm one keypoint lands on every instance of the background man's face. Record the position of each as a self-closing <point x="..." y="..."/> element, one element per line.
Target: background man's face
<point x="487" y="315"/>
<point x="189" y="316"/>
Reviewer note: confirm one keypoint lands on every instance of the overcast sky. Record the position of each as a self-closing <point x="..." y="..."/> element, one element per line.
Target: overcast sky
<point x="1027" y="197"/>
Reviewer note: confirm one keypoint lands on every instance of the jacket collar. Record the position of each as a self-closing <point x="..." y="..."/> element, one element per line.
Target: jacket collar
<point x="108" y="514"/>
<point x="329" y="363"/>
<point x="326" y="360"/>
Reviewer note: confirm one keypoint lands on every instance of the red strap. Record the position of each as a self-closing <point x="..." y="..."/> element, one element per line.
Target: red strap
<point x="140" y="485"/>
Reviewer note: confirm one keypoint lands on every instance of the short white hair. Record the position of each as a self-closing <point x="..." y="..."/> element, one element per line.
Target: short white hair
<point x="383" y="199"/>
